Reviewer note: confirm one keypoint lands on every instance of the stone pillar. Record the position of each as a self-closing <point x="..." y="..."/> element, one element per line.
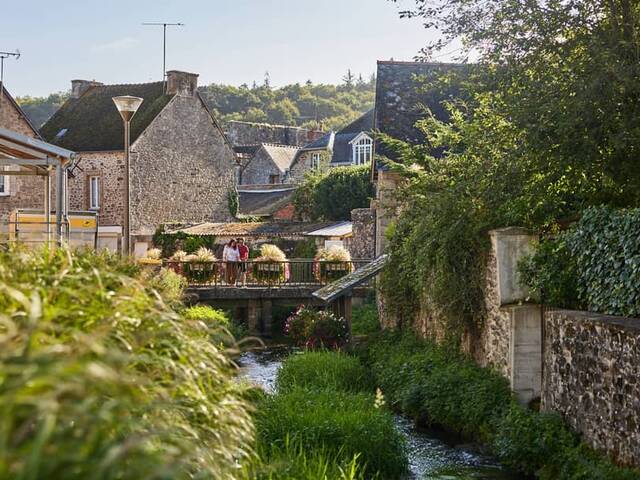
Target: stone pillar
<point x="267" y="317"/>
<point x="253" y="316"/>
<point x="364" y="233"/>
<point x="525" y="351"/>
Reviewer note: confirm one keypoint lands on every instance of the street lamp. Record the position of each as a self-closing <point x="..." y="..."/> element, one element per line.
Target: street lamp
<point x="127" y="107"/>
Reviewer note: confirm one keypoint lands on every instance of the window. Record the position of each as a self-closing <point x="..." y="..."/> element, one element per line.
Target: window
<point x="316" y="158"/>
<point x="363" y="151"/>
<point x="4" y="184"/>
<point x="94" y="193"/>
<point x="274" y="179"/>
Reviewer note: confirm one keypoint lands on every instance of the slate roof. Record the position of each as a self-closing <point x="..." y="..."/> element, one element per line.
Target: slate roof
<point x="263" y="203"/>
<point x="323" y="143"/>
<point x="362" y="124"/>
<point x="93" y="123"/>
<point x="281" y="155"/>
<point x="401" y="99"/>
<point x="342" y="149"/>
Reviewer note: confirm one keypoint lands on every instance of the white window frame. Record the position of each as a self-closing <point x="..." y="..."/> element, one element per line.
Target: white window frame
<point x="362" y="149"/>
<point x="94" y="199"/>
<point x="6" y="185"/>
<point x="316" y="160"/>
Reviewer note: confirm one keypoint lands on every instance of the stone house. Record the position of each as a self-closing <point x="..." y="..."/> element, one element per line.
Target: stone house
<point x="182" y="166"/>
<point x="351" y="145"/>
<point x="17" y="191"/>
<point x="269" y="165"/>
<point x="272" y="202"/>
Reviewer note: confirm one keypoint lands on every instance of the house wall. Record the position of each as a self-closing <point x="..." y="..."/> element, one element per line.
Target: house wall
<point x="591" y="376"/>
<point x="259" y="169"/>
<point x="24" y="191"/>
<point x="247" y="133"/>
<point x="302" y="164"/>
<point x="182" y="168"/>
<point x="109" y="167"/>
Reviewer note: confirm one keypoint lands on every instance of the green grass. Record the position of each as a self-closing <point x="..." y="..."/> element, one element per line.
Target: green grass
<point x="364" y="319"/>
<point x="100" y="377"/>
<point x="437" y="385"/>
<point x="345" y="424"/>
<point x="324" y="370"/>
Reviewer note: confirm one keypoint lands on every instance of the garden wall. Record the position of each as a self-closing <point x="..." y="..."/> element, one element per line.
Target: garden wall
<point x="592" y="377"/>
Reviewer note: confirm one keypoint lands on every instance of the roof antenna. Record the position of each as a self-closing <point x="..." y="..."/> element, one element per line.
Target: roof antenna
<point x="4" y="55"/>
<point x="164" y="26"/>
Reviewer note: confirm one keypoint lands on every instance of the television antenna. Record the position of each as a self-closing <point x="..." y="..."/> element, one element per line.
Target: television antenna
<point x="164" y="26"/>
<point x="4" y="55"/>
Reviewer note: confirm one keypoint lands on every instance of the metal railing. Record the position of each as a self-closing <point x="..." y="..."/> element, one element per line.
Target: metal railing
<point x="257" y="273"/>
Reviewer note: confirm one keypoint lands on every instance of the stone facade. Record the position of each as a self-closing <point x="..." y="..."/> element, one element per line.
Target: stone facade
<point x="23" y="191"/>
<point x="364" y="231"/>
<point x="182" y="169"/>
<point x="263" y="170"/>
<point x="385" y="205"/>
<point x="108" y="167"/>
<point x="592" y="377"/>
<point x="302" y="164"/>
<point x="247" y="133"/>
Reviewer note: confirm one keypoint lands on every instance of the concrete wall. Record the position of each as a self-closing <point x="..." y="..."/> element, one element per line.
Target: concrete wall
<point x="362" y="243"/>
<point x="247" y="133"/>
<point x="592" y="377"/>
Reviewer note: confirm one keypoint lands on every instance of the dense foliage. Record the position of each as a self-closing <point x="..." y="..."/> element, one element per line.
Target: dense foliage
<point x="437" y="386"/>
<point x="595" y="265"/>
<point x="545" y="126"/>
<point x="170" y="243"/>
<point x="313" y="328"/>
<point x="324" y="107"/>
<point x="332" y="195"/>
<point x="102" y="378"/>
<point x="316" y="406"/>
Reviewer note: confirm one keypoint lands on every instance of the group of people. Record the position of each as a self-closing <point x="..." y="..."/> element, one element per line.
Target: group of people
<point x="235" y="256"/>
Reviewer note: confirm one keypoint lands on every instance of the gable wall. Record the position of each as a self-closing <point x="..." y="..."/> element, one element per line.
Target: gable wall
<point x="302" y="165"/>
<point x="182" y="169"/>
<point x="259" y="169"/>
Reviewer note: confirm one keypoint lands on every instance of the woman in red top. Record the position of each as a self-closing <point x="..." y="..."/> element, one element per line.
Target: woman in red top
<point x="243" y="250"/>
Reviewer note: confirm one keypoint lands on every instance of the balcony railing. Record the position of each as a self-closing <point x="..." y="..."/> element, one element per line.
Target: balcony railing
<point x="256" y="273"/>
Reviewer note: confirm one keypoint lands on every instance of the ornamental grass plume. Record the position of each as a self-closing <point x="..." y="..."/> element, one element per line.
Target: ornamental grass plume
<point x="101" y="378"/>
<point x="203" y="254"/>
<point x="271" y="253"/>
<point x="334" y="253"/>
<point x="179" y="256"/>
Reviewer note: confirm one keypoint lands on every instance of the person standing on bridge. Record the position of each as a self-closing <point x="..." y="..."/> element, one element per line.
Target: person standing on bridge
<point x="231" y="256"/>
<point x="243" y="250"/>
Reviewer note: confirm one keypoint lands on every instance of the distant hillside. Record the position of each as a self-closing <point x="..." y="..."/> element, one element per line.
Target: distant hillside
<point x="308" y="105"/>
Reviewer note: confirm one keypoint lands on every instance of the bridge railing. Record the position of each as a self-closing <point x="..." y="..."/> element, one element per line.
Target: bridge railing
<point x="257" y="273"/>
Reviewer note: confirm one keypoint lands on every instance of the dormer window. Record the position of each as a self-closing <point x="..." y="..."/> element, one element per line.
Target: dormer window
<point x="316" y="158"/>
<point x="362" y="149"/>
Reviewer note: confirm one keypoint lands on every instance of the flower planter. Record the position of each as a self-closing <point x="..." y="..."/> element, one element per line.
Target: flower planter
<point x="200" y="272"/>
<point x="269" y="272"/>
<point x="328" y="271"/>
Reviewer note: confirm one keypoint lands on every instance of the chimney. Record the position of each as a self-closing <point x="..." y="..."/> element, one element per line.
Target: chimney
<point x="182" y="83"/>
<point x="78" y="87"/>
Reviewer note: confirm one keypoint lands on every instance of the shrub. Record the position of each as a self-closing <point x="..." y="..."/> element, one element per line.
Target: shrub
<point x="595" y="265"/>
<point x="324" y="370"/>
<point x="316" y="328"/>
<point x="332" y="263"/>
<point x="365" y="320"/>
<point x="102" y="379"/>
<point x="346" y="424"/>
<point x="200" y="267"/>
<point x="207" y="314"/>
<point x="270" y="266"/>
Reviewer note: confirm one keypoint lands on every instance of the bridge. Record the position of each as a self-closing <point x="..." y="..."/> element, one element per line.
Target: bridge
<point x="253" y="288"/>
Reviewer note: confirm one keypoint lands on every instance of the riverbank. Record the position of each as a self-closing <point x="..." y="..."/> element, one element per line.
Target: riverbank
<point x="436" y="386"/>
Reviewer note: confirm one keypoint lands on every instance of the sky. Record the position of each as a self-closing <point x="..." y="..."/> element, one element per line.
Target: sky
<point x="225" y="41"/>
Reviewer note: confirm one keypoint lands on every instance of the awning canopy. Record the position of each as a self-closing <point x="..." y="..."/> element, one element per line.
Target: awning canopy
<point x="34" y="155"/>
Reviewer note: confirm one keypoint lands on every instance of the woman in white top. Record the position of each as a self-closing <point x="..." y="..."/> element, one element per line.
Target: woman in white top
<point x="231" y="255"/>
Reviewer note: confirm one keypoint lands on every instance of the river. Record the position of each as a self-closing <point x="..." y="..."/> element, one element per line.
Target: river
<point x="432" y="455"/>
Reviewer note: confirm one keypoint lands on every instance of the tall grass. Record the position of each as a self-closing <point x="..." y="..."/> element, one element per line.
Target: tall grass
<point x="324" y="370"/>
<point x="100" y="378"/>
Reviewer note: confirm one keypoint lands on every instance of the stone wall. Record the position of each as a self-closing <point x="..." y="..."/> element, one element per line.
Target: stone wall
<point x="23" y="191"/>
<point x="385" y="205"/>
<point x="182" y="169"/>
<point x="260" y="169"/>
<point x="109" y="168"/>
<point x="592" y="377"/>
<point x="247" y="133"/>
<point x="364" y="233"/>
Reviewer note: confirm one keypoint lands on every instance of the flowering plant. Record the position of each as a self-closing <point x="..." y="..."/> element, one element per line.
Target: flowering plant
<point x="200" y="267"/>
<point x="316" y="328"/>
<point x="271" y="266"/>
<point x="332" y="263"/>
<point x="152" y="257"/>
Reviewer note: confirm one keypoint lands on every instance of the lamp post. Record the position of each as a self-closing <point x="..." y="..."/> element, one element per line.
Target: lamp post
<point x="127" y="107"/>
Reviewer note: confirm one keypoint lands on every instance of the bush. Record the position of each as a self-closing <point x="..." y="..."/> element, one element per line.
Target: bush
<point x="365" y="320"/>
<point x="209" y="315"/>
<point x="324" y="370"/>
<point x="316" y="328"/>
<point x="344" y="424"/>
<point x="596" y="262"/>
<point x="102" y="379"/>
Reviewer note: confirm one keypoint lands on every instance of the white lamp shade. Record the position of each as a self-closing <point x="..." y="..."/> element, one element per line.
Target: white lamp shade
<point x="127" y="106"/>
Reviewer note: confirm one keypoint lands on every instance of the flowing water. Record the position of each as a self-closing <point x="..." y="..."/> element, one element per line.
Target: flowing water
<point x="432" y="455"/>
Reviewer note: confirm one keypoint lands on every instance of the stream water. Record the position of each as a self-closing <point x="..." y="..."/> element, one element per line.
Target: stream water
<point x="432" y="455"/>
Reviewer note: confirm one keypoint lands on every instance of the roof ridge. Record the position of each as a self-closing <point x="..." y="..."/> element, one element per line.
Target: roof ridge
<point x="278" y="145"/>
